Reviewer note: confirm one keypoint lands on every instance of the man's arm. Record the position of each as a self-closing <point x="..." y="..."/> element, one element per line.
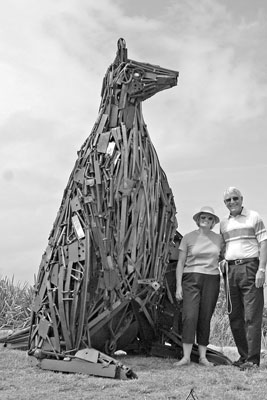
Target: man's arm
<point x="260" y="276"/>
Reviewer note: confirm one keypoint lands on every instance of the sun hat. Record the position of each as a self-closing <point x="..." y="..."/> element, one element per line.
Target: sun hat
<point x="207" y="210"/>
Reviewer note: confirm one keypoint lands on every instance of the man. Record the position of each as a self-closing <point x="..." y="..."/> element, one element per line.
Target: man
<point x="245" y="254"/>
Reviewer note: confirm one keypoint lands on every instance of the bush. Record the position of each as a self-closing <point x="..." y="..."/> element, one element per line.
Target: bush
<point x="15" y="304"/>
<point x="220" y="334"/>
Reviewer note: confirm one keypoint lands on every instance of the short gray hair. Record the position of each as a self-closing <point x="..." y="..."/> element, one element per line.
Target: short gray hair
<point x="232" y="189"/>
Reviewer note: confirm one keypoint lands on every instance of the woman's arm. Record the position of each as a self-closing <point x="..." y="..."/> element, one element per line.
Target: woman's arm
<point x="179" y="274"/>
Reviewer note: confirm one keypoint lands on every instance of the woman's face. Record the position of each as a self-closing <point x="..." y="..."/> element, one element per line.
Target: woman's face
<point x="206" y="220"/>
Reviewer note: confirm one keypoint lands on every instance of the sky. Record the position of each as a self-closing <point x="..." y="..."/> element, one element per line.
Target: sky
<point x="209" y="131"/>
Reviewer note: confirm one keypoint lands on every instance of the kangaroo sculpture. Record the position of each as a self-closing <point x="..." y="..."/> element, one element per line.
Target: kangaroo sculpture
<point x="109" y="245"/>
<point x="102" y="275"/>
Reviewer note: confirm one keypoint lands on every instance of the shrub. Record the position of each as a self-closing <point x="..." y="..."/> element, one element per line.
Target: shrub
<point x="220" y="334"/>
<point x="15" y="304"/>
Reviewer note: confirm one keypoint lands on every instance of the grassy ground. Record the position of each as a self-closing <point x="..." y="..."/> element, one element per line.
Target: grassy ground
<point x="157" y="379"/>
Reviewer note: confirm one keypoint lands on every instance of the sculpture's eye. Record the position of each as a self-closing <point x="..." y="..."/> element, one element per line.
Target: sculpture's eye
<point x="138" y="73"/>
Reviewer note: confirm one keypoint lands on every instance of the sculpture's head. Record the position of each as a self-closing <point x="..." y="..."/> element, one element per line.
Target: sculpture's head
<point x="140" y="80"/>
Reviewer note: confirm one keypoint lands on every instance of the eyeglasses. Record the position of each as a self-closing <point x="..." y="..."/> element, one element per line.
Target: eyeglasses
<point x="206" y="217"/>
<point x="231" y="198"/>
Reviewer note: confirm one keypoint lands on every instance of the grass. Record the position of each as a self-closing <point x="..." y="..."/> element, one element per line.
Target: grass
<point x="157" y="379"/>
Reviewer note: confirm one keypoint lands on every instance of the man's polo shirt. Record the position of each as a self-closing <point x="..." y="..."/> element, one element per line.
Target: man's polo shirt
<point x="242" y="234"/>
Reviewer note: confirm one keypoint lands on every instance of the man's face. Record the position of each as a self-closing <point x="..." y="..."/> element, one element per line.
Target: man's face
<point x="234" y="203"/>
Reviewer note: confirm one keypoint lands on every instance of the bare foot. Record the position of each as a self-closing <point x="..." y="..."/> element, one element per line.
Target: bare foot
<point x="203" y="361"/>
<point x="182" y="362"/>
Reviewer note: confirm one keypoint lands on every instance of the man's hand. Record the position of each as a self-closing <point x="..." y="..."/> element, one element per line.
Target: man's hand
<point x="179" y="293"/>
<point x="260" y="279"/>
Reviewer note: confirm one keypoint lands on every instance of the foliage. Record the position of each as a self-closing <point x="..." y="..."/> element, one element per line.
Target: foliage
<point x="221" y="334"/>
<point x="15" y="303"/>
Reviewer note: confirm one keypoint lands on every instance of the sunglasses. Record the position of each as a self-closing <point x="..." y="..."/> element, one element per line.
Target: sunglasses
<point x="231" y="198"/>
<point x="206" y="217"/>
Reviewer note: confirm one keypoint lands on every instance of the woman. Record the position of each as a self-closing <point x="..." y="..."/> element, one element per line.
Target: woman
<point x="198" y="283"/>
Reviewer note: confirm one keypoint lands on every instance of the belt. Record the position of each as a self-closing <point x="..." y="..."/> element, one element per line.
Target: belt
<point x="242" y="261"/>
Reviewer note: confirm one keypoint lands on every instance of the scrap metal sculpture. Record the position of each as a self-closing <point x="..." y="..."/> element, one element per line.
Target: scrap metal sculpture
<point x="102" y="283"/>
<point x="109" y="246"/>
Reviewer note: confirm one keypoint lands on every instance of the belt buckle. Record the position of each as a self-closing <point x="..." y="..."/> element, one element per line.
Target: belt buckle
<point x="238" y="262"/>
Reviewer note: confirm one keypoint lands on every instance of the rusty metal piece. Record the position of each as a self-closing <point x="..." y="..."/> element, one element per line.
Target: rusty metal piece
<point x="87" y="361"/>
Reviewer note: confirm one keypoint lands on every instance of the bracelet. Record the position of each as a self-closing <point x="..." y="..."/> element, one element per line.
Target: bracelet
<point x="261" y="270"/>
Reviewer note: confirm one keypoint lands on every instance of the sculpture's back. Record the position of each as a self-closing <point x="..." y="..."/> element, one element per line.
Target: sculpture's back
<point x="109" y="246"/>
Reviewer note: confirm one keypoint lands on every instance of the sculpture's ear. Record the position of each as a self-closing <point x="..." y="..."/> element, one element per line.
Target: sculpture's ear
<point x="122" y="51"/>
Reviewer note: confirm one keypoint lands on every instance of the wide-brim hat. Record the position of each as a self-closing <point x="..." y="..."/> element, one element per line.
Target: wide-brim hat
<point x="206" y="210"/>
